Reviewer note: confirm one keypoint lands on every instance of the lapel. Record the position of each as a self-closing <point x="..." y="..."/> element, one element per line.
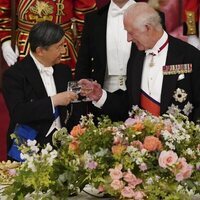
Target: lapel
<point x="34" y="77"/>
<point x="61" y="85"/>
<point x="100" y="34"/>
<point x="134" y="73"/>
<point x="170" y="81"/>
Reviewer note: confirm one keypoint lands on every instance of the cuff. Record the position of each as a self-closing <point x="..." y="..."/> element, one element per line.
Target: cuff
<point x="101" y="101"/>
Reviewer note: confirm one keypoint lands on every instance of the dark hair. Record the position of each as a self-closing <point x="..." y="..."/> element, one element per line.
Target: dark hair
<point x="44" y="34"/>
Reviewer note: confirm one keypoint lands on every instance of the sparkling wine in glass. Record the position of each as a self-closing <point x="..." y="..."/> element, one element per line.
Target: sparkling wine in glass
<point x="74" y="87"/>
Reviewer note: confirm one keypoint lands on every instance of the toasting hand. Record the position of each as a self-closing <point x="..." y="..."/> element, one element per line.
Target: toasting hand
<point x="90" y="89"/>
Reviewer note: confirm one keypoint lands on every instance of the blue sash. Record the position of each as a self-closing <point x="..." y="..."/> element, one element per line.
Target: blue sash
<point x="23" y="133"/>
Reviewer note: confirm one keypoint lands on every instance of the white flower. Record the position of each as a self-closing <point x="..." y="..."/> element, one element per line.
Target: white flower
<point x="31" y="142"/>
<point x="180" y="95"/>
<point x="149" y="181"/>
<point x="173" y="110"/>
<point x="48" y="147"/>
<point x="188" y="108"/>
<point x="189" y="151"/>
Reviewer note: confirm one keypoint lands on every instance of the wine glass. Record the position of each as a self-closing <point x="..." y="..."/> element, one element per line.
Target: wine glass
<point x="74" y="87"/>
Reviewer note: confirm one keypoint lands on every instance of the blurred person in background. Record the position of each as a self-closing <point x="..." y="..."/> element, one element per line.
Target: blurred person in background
<point x="68" y="14"/>
<point x="191" y="9"/>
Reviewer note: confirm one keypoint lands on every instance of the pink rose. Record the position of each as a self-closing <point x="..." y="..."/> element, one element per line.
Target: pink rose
<point x="184" y="170"/>
<point x="131" y="179"/>
<point x="127" y="192"/>
<point x="167" y="158"/>
<point x="129" y="176"/>
<point x="117" y="184"/>
<point x="116" y="173"/>
<point x="138" y="195"/>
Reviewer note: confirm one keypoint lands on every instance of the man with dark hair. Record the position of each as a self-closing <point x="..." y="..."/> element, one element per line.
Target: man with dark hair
<point x="35" y="88"/>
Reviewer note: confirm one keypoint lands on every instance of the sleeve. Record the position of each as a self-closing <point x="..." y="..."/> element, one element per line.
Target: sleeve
<point x="23" y="106"/>
<point x="81" y="7"/>
<point x="191" y="17"/>
<point x="5" y="20"/>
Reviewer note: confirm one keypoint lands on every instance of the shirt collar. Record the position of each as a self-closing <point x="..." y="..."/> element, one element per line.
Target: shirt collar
<point x="42" y="69"/>
<point x="158" y="44"/>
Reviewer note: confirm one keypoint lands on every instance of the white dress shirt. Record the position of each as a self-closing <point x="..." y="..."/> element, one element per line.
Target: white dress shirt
<point x="117" y="47"/>
<point x="46" y="74"/>
<point x="152" y="76"/>
<point x="118" y="51"/>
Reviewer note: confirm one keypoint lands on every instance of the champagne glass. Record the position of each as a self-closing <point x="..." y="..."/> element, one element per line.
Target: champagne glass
<point x="74" y="87"/>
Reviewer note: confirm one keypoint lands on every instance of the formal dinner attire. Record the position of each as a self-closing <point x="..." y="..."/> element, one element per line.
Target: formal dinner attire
<point x="27" y="87"/>
<point x="175" y="80"/>
<point x="104" y="50"/>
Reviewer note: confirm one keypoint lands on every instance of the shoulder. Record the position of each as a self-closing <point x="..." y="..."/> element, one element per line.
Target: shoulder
<point x="183" y="46"/>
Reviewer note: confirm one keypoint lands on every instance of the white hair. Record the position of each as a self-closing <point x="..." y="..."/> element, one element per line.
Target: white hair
<point x="142" y="15"/>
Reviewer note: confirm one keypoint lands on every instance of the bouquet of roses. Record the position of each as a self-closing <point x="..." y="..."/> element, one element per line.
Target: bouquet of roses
<point x="146" y="157"/>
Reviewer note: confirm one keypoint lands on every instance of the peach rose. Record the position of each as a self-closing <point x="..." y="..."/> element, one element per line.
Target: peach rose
<point x="138" y="126"/>
<point x="167" y="158"/>
<point x="118" y="149"/>
<point x="152" y="143"/>
<point x="74" y="145"/>
<point x="77" y="130"/>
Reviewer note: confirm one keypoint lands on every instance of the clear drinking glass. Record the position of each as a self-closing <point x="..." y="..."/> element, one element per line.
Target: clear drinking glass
<point x="74" y="87"/>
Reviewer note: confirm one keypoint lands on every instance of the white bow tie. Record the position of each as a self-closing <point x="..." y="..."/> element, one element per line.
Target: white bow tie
<point x="117" y="11"/>
<point x="48" y="71"/>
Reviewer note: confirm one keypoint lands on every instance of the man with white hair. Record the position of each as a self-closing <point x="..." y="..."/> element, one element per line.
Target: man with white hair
<point x="162" y="70"/>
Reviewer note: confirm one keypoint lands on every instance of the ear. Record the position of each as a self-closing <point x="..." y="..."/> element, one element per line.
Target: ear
<point x="148" y="27"/>
<point x="39" y="51"/>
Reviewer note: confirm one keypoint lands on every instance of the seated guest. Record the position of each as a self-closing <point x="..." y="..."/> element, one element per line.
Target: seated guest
<point x="35" y="88"/>
<point x="162" y="70"/>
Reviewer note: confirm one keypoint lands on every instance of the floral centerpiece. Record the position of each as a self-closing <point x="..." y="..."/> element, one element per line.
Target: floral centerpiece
<point x="145" y="157"/>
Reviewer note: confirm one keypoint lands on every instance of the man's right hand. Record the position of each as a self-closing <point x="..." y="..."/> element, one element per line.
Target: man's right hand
<point x="91" y="89"/>
<point x="9" y="54"/>
<point x="64" y="98"/>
